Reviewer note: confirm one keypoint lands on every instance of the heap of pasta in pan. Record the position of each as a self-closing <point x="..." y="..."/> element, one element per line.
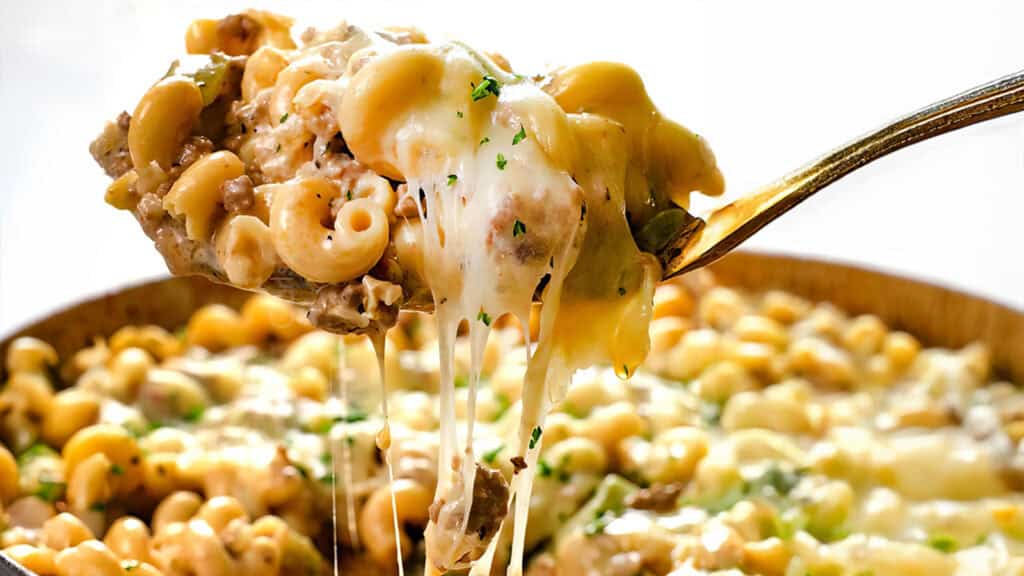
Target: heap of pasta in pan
<point x="766" y="435"/>
<point x="365" y="171"/>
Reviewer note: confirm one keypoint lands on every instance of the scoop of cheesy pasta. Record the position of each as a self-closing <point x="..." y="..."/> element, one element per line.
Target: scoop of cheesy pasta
<point x="305" y="168"/>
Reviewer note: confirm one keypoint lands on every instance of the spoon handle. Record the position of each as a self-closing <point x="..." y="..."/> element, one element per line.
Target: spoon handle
<point x="726" y="227"/>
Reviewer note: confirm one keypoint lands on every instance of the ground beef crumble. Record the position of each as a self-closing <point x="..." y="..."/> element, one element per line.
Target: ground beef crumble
<point x="110" y="149"/>
<point x="238" y="194"/>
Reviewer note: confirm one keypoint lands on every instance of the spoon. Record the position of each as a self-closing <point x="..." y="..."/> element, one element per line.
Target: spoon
<point x="700" y="241"/>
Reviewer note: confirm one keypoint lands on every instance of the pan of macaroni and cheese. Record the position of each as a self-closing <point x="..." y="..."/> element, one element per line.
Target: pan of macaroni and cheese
<point x="793" y="417"/>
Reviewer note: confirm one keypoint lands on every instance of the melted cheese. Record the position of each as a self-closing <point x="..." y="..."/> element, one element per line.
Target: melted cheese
<point x="524" y="188"/>
<point x="517" y="197"/>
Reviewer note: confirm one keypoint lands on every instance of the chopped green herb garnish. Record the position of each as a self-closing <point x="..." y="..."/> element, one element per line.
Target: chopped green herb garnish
<point x="518" y="228"/>
<point x="484" y="140"/>
<point x="50" y="491"/>
<point x="303" y="471"/>
<point x="327" y="478"/>
<point x="535" y="436"/>
<point x="278" y="149"/>
<point x="348" y="195"/>
<point x="116" y="469"/>
<point x="520" y="136"/>
<point x="488" y="85"/>
<point x="622" y="291"/>
<point x="503" y="404"/>
<point x="35" y="451"/>
<point x="459" y="113"/>
<point x="778" y="480"/>
<point x="484" y="317"/>
<point x="129" y="565"/>
<point x="326" y="458"/>
<point x="501" y="162"/>
<point x="461" y="381"/>
<point x="599" y="523"/>
<point x="350" y="440"/>
<point x="943" y="543"/>
<point x="786" y="526"/>
<point x="193" y="414"/>
<point x="98" y="507"/>
<point x="711" y="413"/>
<point x="625" y="370"/>
<point x="452" y="179"/>
<point x="544" y="470"/>
<point x="491" y="455"/>
<point x="283" y="118"/>
<point x="353" y="415"/>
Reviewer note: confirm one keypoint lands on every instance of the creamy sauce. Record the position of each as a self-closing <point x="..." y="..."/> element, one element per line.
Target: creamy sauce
<point x="507" y="185"/>
<point x="502" y="219"/>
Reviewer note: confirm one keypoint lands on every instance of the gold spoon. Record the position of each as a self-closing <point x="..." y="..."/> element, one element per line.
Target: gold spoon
<point x="700" y="241"/>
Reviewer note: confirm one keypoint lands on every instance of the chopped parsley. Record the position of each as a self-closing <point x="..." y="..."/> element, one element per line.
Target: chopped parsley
<point x="283" y="118"/>
<point x="488" y="85"/>
<point x="491" y="455"/>
<point x="484" y="317"/>
<point x="353" y="415"/>
<point x="774" y="482"/>
<point x="518" y="228"/>
<point x="459" y="113"/>
<point x="711" y="413"/>
<point x="326" y="458"/>
<point x="625" y="370"/>
<point x="503" y="404"/>
<point x="501" y="162"/>
<point x="98" y="507"/>
<point x="348" y="195"/>
<point x="129" y="565"/>
<point x="50" y="491"/>
<point x="302" y="470"/>
<point x="116" y="469"/>
<point x="778" y="480"/>
<point x="461" y="381"/>
<point x="452" y="179"/>
<point x="520" y="136"/>
<point x="327" y="478"/>
<point x="599" y="523"/>
<point x="278" y="149"/>
<point x="785" y="526"/>
<point x="193" y="414"/>
<point x="943" y="543"/>
<point x="535" y="436"/>
<point x="544" y="470"/>
<point x="35" y="451"/>
<point x="323" y="427"/>
<point x="484" y="140"/>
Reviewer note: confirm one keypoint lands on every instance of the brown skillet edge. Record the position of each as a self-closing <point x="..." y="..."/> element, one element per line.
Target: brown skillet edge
<point x="937" y="315"/>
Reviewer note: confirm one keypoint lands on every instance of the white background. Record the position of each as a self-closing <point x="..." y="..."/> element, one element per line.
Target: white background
<point x="769" y="84"/>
